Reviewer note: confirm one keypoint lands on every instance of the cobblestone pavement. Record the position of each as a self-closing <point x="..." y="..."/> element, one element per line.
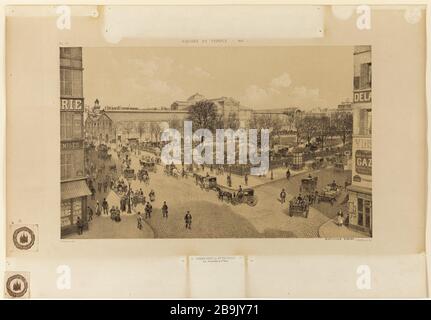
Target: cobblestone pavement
<point x="213" y="218"/>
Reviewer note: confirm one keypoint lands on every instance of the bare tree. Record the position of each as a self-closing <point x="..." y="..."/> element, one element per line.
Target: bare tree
<point x="343" y="125"/>
<point x="155" y="131"/>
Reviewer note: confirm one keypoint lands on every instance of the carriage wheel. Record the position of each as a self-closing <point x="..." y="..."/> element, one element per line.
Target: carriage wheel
<point x="252" y="202"/>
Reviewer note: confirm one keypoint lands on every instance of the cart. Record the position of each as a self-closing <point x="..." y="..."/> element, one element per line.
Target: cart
<point x="150" y="166"/>
<point x="129" y="174"/>
<point x="245" y="196"/>
<point x="209" y="183"/>
<point x="299" y="206"/>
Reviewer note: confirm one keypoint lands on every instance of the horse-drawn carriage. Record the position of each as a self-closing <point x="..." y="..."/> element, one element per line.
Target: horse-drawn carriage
<point x="245" y="196"/>
<point x="241" y="196"/>
<point x="308" y="188"/>
<point x="209" y="183"/>
<point x="129" y="173"/>
<point x="171" y="170"/>
<point x="149" y="166"/>
<point x="206" y="182"/>
<point x="143" y="176"/>
<point x="299" y="206"/>
<point x="138" y="198"/>
<point x="329" y="193"/>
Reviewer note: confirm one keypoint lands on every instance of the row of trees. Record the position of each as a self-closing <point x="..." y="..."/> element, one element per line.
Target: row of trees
<point x="321" y="127"/>
<point x="204" y="114"/>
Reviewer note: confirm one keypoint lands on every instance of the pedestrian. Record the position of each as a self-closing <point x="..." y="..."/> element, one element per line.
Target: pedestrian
<point x="283" y="196"/>
<point x="105" y="206"/>
<point x="79" y="225"/>
<point x="113" y="212"/>
<point x="287" y="174"/>
<point x="229" y="181"/>
<point x="90" y="213"/>
<point x="148" y="209"/>
<point x="165" y="210"/>
<point x="188" y="220"/>
<point x="340" y="218"/>
<point x="139" y="220"/>
<point x="98" y="209"/>
<point x="246" y="179"/>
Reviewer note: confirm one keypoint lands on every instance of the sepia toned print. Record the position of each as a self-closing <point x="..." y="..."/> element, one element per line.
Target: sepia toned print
<point x="120" y="108"/>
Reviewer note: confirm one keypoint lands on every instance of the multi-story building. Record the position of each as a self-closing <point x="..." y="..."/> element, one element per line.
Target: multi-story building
<point x="74" y="189"/>
<point x="360" y="192"/>
<point x="99" y="128"/>
<point x="225" y="107"/>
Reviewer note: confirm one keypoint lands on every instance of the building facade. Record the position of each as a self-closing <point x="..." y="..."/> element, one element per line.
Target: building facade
<point x="226" y="106"/>
<point x="143" y="124"/>
<point x="360" y="192"/>
<point x="99" y="128"/>
<point x="74" y="189"/>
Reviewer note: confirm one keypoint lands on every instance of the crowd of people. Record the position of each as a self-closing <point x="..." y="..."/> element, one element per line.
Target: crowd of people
<point x="102" y="179"/>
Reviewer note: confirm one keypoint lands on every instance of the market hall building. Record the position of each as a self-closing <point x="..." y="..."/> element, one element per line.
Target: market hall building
<point x="74" y="189"/>
<point x="360" y="192"/>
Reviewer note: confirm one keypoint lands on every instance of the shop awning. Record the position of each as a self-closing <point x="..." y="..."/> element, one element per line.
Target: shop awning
<point x="359" y="189"/>
<point x="74" y="189"/>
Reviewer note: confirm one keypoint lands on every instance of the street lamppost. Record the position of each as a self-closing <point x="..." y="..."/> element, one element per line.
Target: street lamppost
<point x="129" y="210"/>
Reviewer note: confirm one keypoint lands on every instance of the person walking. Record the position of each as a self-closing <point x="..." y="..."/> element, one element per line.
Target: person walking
<point x="79" y="225"/>
<point x="283" y="196"/>
<point x="340" y="218"/>
<point x="105" y="206"/>
<point x="246" y="179"/>
<point x="139" y="220"/>
<point x="98" y="209"/>
<point x="188" y="220"/>
<point x="90" y="213"/>
<point x="229" y="181"/>
<point x="148" y="209"/>
<point x="287" y="174"/>
<point x="113" y="212"/>
<point x="165" y="210"/>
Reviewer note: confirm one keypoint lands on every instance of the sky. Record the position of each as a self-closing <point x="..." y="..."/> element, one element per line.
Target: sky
<point x="259" y="77"/>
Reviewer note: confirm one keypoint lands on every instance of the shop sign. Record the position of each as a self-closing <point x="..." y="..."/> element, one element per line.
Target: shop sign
<point x="363" y="161"/>
<point x="71" y="145"/>
<point x="71" y="104"/>
<point x="362" y="96"/>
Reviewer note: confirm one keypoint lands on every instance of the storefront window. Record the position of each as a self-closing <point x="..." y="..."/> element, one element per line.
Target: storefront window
<point x="70" y="211"/>
<point x="360" y="211"/>
<point x="66" y="212"/>
<point x="364" y="213"/>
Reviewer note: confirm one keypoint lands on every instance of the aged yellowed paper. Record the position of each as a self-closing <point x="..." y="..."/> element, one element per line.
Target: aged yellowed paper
<point x="114" y="162"/>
